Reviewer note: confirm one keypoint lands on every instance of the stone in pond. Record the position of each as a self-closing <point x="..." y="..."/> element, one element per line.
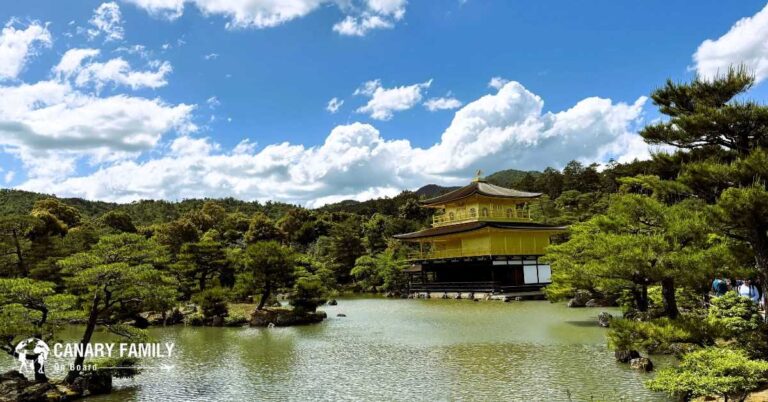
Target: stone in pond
<point x="604" y="319"/>
<point x="641" y="363"/>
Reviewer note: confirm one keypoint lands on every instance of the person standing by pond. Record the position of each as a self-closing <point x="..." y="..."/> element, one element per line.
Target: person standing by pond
<point x="747" y="289"/>
<point x="720" y="286"/>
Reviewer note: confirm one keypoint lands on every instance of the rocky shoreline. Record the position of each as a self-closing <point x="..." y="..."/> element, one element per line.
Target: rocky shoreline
<point x="15" y="387"/>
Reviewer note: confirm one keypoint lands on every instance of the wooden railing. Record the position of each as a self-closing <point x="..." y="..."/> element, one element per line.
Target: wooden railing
<point x="497" y="216"/>
<point x="448" y="253"/>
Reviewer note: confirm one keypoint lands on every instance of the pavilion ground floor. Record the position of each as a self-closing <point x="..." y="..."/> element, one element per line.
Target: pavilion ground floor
<point x="488" y="274"/>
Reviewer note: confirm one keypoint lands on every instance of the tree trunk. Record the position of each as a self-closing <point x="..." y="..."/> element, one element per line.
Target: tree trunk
<point x="637" y="295"/>
<point x="19" y="255"/>
<point x="760" y="246"/>
<point x="641" y="297"/>
<point x="39" y="371"/>
<point x="264" y="296"/>
<point x="93" y="316"/>
<point x="202" y="282"/>
<point x="668" y="296"/>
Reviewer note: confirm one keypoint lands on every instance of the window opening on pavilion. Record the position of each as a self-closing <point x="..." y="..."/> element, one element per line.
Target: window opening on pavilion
<point x="521" y="210"/>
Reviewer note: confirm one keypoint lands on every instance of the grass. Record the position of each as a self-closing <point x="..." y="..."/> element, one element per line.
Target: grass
<point x="243" y="309"/>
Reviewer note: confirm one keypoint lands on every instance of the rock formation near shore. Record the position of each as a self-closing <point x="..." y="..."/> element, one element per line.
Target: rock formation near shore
<point x="281" y="317"/>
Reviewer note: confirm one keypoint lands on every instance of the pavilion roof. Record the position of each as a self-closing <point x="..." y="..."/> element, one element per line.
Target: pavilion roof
<point x="482" y="188"/>
<point x="472" y="226"/>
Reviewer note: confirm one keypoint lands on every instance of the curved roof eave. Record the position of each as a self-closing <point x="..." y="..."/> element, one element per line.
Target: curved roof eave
<point x="481" y="188"/>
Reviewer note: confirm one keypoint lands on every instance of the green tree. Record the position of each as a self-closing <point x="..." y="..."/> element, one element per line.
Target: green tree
<point x="637" y="243"/>
<point x="375" y="233"/>
<point x="199" y="263"/>
<point x="411" y="210"/>
<point x="271" y="267"/>
<point x="118" y="221"/>
<point x="308" y="290"/>
<point x="728" y="138"/>
<point x="66" y="214"/>
<point x="117" y="278"/>
<point x="345" y="246"/>
<point x="175" y="233"/>
<point x="47" y="250"/>
<point x="292" y="223"/>
<point x="703" y="113"/>
<point x="233" y="227"/>
<point x="550" y="182"/>
<point x="30" y="308"/>
<point x="262" y="228"/>
<point x="382" y="272"/>
<point x="215" y="211"/>
<point x="15" y="243"/>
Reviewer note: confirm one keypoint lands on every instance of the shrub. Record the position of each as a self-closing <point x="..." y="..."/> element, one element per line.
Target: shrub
<point x="308" y="293"/>
<point x="733" y="315"/>
<point x="657" y="336"/>
<point x="712" y="371"/>
<point x="195" y="319"/>
<point x="213" y="302"/>
<point x="235" y="319"/>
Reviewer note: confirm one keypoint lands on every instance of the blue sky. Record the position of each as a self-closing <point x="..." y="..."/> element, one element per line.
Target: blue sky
<point x="165" y="95"/>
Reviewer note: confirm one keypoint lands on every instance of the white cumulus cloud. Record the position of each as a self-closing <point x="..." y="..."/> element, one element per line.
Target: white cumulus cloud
<point x="497" y="82"/>
<point x="213" y="102"/>
<point x="115" y="71"/>
<point x="746" y="43"/>
<point x="49" y="120"/>
<point x="394" y="8"/>
<point x="360" y="26"/>
<point x="444" y="103"/>
<point x="107" y="20"/>
<point x="51" y="124"/>
<point x="361" y="15"/>
<point x="384" y="102"/>
<point x="333" y="105"/>
<point x="17" y="45"/>
<point x="506" y="129"/>
<point x="376" y="14"/>
<point x="241" y="13"/>
<point x="72" y="60"/>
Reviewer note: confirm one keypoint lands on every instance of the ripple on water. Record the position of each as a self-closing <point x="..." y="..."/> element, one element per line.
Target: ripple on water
<point x="398" y="350"/>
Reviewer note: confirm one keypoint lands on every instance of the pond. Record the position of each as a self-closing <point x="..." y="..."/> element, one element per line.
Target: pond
<point x="393" y="350"/>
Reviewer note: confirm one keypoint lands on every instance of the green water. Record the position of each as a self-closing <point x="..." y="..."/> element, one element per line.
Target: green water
<point x="397" y="350"/>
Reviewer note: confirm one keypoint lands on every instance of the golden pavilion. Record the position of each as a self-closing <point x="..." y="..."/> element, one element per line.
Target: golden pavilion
<point x="482" y="239"/>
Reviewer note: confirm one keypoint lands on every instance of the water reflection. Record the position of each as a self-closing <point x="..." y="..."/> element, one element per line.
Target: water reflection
<point x="391" y="350"/>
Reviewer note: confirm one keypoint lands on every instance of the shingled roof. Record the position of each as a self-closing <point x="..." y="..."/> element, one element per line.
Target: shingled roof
<point x="471" y="226"/>
<point x="482" y="188"/>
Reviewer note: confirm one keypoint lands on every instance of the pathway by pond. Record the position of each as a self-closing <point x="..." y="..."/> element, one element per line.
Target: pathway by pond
<point x="396" y="350"/>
